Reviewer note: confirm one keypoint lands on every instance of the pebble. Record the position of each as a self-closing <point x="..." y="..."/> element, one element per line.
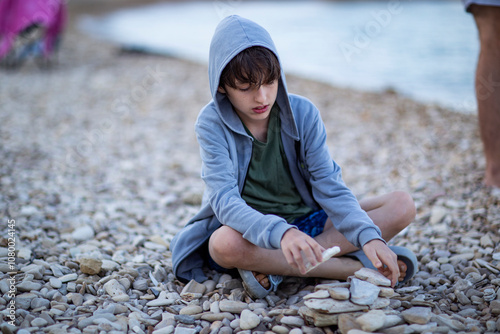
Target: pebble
<point x="372" y="276"/>
<point x="191" y="310"/>
<point x="339" y="293"/>
<point x="249" y="320"/>
<point x="90" y="265"/>
<point x="184" y="330"/>
<point x="55" y="282"/>
<point x="232" y="306"/>
<point x="417" y="315"/>
<point x="116" y="291"/>
<point x="39" y="322"/>
<point x="28" y="286"/>
<point x="83" y="233"/>
<point x="292" y="321"/>
<point x="39" y="302"/>
<point x="95" y="213"/>
<point x="68" y="278"/>
<point x="363" y="292"/>
<point x="372" y="320"/>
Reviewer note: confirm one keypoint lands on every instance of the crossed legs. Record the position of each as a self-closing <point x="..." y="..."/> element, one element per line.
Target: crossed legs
<point x="391" y="213"/>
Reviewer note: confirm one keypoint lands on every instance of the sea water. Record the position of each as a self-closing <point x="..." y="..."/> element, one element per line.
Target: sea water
<point x="426" y="50"/>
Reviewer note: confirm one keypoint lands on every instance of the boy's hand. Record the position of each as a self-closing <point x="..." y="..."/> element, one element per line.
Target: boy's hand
<point x="383" y="258"/>
<point x="295" y="243"/>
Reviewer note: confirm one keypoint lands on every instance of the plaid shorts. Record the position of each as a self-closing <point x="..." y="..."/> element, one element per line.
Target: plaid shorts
<point x="312" y="224"/>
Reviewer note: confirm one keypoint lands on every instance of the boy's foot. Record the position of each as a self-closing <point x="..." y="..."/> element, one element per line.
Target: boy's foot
<point x="259" y="285"/>
<point x="262" y="279"/>
<point x="402" y="271"/>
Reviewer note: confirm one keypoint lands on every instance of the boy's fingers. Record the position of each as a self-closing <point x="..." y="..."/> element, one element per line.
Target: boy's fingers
<point x="291" y="260"/>
<point x="372" y="256"/>
<point x="379" y="254"/>
<point x="392" y="265"/>
<point x="318" y="251"/>
<point x="310" y="255"/>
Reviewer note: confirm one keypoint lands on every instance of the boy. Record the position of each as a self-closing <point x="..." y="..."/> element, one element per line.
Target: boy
<point x="274" y="198"/>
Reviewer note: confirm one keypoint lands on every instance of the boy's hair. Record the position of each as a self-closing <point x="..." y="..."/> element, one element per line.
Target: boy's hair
<point x="256" y="65"/>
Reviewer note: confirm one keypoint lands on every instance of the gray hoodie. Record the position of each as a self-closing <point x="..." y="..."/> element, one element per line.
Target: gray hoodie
<point x="226" y="150"/>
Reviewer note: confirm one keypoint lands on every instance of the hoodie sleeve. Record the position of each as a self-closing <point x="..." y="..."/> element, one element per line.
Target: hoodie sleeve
<point x="325" y="178"/>
<point x="221" y="172"/>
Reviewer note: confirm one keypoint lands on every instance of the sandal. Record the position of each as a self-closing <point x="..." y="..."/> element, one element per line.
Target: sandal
<point x="404" y="254"/>
<point x="253" y="287"/>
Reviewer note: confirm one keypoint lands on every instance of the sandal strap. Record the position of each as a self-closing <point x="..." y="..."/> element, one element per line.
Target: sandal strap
<point x="275" y="280"/>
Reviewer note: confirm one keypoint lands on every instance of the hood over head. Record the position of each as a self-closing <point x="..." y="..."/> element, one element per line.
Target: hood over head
<point x="233" y="35"/>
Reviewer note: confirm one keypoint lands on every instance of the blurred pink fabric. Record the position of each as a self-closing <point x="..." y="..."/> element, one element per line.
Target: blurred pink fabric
<point x="17" y="15"/>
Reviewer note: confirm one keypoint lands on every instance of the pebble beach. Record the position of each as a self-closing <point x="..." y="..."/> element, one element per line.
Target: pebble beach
<point x="99" y="168"/>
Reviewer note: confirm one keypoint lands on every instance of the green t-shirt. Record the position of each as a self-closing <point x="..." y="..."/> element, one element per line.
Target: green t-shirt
<point x="269" y="187"/>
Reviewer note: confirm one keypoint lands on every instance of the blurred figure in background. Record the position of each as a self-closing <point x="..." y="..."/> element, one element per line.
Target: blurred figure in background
<point x="30" y="28"/>
<point x="487" y="16"/>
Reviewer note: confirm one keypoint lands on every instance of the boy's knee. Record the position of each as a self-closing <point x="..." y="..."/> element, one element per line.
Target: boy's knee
<point x="405" y="206"/>
<point x="224" y="246"/>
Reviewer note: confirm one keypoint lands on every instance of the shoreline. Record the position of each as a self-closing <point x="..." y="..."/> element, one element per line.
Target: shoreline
<point x="329" y="66"/>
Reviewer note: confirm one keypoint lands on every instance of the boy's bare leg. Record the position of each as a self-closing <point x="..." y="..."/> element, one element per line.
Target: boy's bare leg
<point x="228" y="248"/>
<point x="391" y="212"/>
<point x="488" y="88"/>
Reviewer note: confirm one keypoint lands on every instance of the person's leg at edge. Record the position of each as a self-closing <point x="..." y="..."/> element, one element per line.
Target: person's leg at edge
<point x="391" y="212"/>
<point x="488" y="88"/>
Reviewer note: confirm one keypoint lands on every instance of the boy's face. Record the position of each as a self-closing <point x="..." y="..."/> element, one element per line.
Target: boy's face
<point x="252" y="103"/>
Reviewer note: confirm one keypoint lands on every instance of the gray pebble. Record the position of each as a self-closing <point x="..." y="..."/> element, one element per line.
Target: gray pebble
<point x="39" y="302"/>
<point x="56" y="283"/>
<point x="39" y="322"/>
<point x="185" y="319"/>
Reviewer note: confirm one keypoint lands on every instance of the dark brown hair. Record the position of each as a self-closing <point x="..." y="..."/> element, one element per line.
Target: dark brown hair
<point x="256" y="65"/>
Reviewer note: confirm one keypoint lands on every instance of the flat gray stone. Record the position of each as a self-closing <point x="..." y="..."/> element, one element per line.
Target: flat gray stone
<point x="160" y="302"/>
<point x="318" y="294"/>
<point x="165" y="330"/>
<point x="26" y="286"/>
<point x="55" y="282"/>
<point x="380" y="303"/>
<point x="69" y="277"/>
<point x="372" y="276"/>
<point x="184" y="330"/>
<point x="232" y="306"/>
<point x="39" y="322"/>
<point x="445" y="320"/>
<point x="191" y="310"/>
<point x="36" y="270"/>
<point x="23" y="301"/>
<point x="339" y="293"/>
<point x="333" y="306"/>
<point x="39" y="302"/>
<point x="371" y="321"/>
<point x="363" y="293"/>
<point x="317" y="318"/>
<point x="292" y="321"/>
<point x="211" y="317"/>
<point x="417" y="315"/>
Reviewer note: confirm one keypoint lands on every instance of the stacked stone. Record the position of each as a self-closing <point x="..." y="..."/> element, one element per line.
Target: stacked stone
<point x="364" y="305"/>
